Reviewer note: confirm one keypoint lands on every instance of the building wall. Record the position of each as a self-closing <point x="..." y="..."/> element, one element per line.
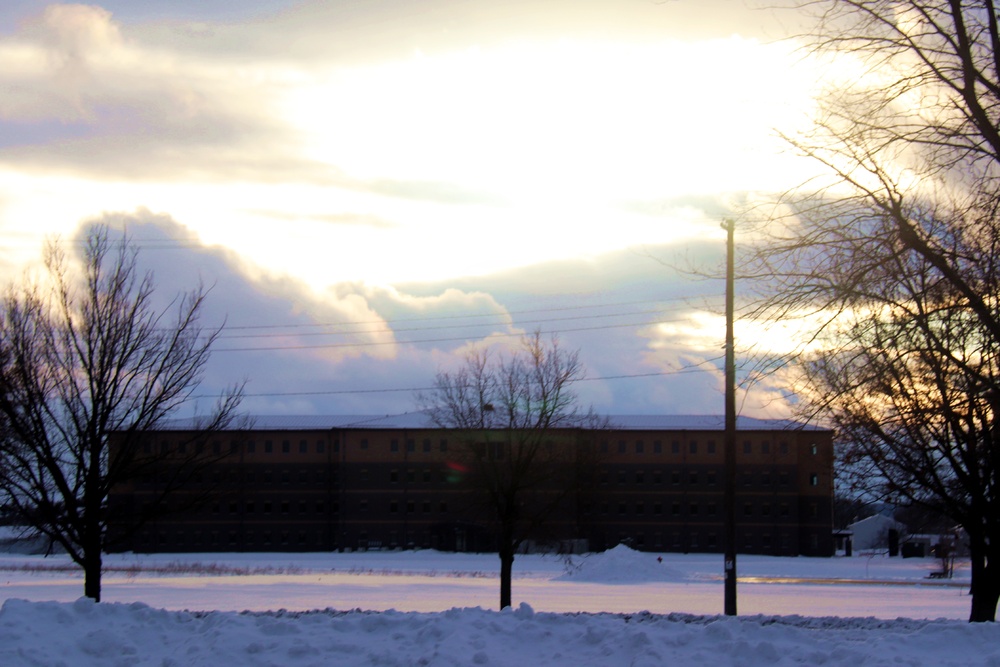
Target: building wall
<point x="326" y="489"/>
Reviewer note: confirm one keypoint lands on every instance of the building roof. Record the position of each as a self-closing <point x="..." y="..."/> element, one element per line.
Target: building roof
<point x="421" y="420"/>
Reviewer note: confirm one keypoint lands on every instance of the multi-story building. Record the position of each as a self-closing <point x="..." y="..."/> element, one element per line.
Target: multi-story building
<point x="328" y="483"/>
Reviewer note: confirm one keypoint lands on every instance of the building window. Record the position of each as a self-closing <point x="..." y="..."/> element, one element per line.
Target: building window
<point x="693" y="509"/>
<point x="813" y="479"/>
<point x="657" y="447"/>
<point x="693" y="447"/>
<point x="393" y="506"/>
<point x="394" y="445"/>
<point x="657" y="477"/>
<point x="747" y="447"/>
<point x="675" y="447"/>
<point x="747" y="509"/>
<point x="622" y="508"/>
<point x="675" y="508"/>
<point x="286" y="446"/>
<point x="639" y="447"/>
<point x="621" y="446"/>
<point x="303" y="447"/>
<point x="640" y="508"/>
<point x="783" y="448"/>
<point x="675" y="477"/>
<point x="443" y="445"/>
<point x="765" y="447"/>
<point x="285" y="507"/>
<point x="621" y="476"/>
<point x="364" y="443"/>
<point x="657" y="508"/>
<point x="639" y="477"/>
<point x="411" y="444"/>
<point x="693" y="477"/>
<point x="427" y="445"/>
<point x="710" y="477"/>
<point x="711" y="446"/>
<point x="320" y="447"/>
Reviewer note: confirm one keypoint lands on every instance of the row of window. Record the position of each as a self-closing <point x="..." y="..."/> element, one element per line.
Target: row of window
<point x="692" y="477"/>
<point x="694" y="508"/>
<point x="692" y="446"/>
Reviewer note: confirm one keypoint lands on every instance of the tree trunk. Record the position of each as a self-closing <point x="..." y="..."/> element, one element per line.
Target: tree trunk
<point x="985" y="586"/>
<point x="92" y="572"/>
<point x="506" y="571"/>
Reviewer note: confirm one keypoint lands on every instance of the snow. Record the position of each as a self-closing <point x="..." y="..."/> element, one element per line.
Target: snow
<point x="426" y="608"/>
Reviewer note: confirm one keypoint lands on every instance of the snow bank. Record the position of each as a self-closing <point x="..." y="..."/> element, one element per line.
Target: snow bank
<point x="84" y="633"/>
<point x="621" y="565"/>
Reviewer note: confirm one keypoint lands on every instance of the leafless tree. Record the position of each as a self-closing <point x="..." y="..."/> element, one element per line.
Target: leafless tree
<point x="86" y="358"/>
<point x="520" y="420"/>
<point x="896" y="256"/>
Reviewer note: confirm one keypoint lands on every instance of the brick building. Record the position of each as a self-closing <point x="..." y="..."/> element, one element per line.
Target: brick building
<point x="349" y="482"/>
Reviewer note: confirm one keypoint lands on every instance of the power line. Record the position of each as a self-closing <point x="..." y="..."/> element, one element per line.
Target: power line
<point x="698" y="368"/>
<point x="274" y="348"/>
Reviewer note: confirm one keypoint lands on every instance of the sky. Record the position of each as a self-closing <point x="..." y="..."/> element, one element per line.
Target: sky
<point x="371" y="189"/>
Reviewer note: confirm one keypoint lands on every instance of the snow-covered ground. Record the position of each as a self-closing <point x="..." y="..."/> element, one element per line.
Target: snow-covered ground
<point x="426" y="608"/>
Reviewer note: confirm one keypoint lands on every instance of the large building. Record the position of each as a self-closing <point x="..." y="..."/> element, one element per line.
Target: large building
<point x="349" y="482"/>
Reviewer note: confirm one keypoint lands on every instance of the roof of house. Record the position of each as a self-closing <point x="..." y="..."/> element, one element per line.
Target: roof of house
<point x="421" y="420"/>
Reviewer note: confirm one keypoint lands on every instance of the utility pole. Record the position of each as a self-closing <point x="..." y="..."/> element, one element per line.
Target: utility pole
<point x="729" y="444"/>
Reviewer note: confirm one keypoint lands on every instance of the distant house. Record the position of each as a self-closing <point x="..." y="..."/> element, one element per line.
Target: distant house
<point x="362" y="482"/>
<point x="872" y="534"/>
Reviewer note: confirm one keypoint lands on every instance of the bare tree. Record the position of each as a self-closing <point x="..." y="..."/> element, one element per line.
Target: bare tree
<point x="84" y="360"/>
<point x="897" y="256"/>
<point x="521" y="424"/>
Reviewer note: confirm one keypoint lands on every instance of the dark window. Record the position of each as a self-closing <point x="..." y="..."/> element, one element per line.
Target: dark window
<point x="604" y="446"/>
<point x="813" y="479"/>
<point x="427" y="445"/>
<point x="710" y="477"/>
<point x="251" y="447"/>
<point x="639" y="446"/>
<point x="747" y="447"/>
<point x="267" y="507"/>
<point x="394" y="445"/>
<point x="782" y="447"/>
<point x="657" y="447"/>
<point x="711" y="446"/>
<point x="303" y="447"/>
<point x="748" y="509"/>
<point x="393" y="506"/>
<point x="693" y="477"/>
<point x="286" y="446"/>
<point x="364" y="443"/>
<point x="639" y="477"/>
<point x="285" y="507"/>
<point x="621" y="476"/>
<point x="675" y="477"/>
<point x="393" y="476"/>
<point x="268" y="447"/>
<point x="443" y="445"/>
<point x="765" y="447"/>
<point x="675" y="447"/>
<point x="657" y="508"/>
<point x="320" y="447"/>
<point x="693" y="447"/>
<point x="640" y="508"/>
<point x="693" y="509"/>
<point x="621" y="446"/>
<point x="411" y="444"/>
<point x="657" y="477"/>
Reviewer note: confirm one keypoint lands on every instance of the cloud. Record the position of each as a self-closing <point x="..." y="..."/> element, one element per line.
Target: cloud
<point x="138" y="112"/>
